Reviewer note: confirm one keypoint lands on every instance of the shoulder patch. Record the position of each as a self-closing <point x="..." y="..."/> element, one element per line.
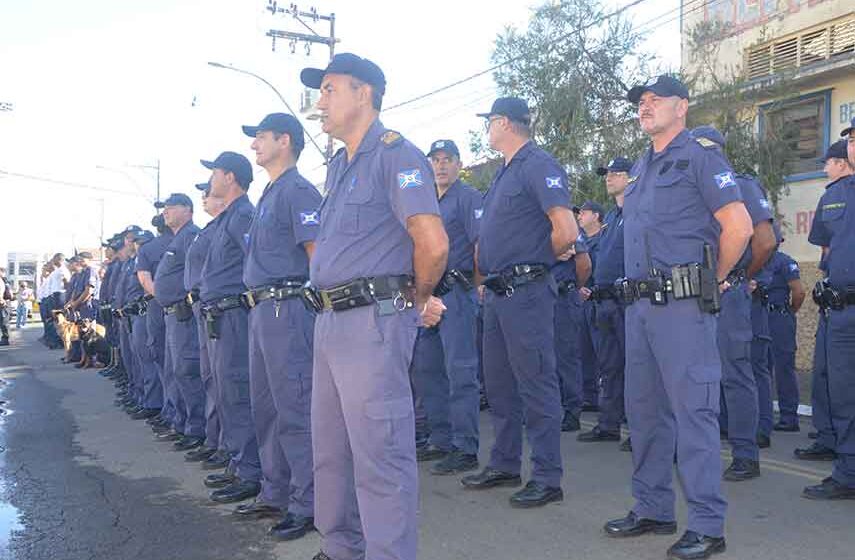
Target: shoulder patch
<point x="390" y="137"/>
<point x="706" y="142"/>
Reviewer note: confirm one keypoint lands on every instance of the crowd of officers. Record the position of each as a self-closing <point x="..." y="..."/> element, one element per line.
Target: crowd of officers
<point x="292" y="347"/>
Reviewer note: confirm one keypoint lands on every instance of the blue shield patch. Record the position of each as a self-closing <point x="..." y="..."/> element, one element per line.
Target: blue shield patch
<point x="309" y="219"/>
<point x="410" y="178"/>
<point x="554" y="183"/>
<point x="478" y="213"/>
<point x="724" y="180"/>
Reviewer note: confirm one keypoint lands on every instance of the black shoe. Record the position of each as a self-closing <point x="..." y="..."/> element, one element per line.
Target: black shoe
<point x="590" y="407"/>
<point x="816" y="452"/>
<point x="741" y="469"/>
<point x="431" y="453"/>
<point x="830" y="489"/>
<point x="256" y="509"/>
<point x="598" y="435"/>
<point x="536" y="494"/>
<point x="157" y="421"/>
<point x="199" y="454"/>
<point x="321" y="556"/>
<point x="126" y="401"/>
<point x="170" y="435"/>
<point x="187" y="443"/>
<point x="490" y="478"/>
<point x="763" y="441"/>
<point x="219" y="460"/>
<point x="692" y="546"/>
<point x="813" y="435"/>
<point x="455" y="462"/>
<point x="292" y="527"/>
<point x="626" y="445"/>
<point x="633" y="526"/>
<point x="133" y="409"/>
<point x="219" y="480"/>
<point x="161" y="429"/>
<point x="145" y="414"/>
<point x="483" y="404"/>
<point x="786" y="427"/>
<point x="237" y="491"/>
<point x="570" y="423"/>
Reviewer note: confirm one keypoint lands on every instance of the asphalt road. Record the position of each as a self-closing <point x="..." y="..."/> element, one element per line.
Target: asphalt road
<point x="80" y="480"/>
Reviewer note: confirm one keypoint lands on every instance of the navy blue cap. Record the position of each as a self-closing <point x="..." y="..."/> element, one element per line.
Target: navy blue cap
<point x="514" y="108"/>
<point x="447" y="146"/>
<point x="836" y="150"/>
<point x="175" y="199"/>
<point x="84" y="255"/>
<point x="234" y="163"/>
<point x="203" y="186"/>
<point x="711" y="133"/>
<point x="619" y="164"/>
<point x="848" y="129"/>
<point x="73" y="259"/>
<point x="131" y="228"/>
<point x="117" y="244"/>
<point x="143" y="236"/>
<point x="281" y="123"/>
<point x="664" y="86"/>
<point x="350" y="64"/>
<point x="595" y="207"/>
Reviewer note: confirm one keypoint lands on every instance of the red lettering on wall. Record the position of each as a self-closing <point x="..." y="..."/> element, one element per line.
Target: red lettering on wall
<point x="804" y="220"/>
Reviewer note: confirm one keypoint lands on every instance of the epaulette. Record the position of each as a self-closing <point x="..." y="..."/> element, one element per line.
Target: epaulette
<point x="706" y="142"/>
<point x="390" y="137"/>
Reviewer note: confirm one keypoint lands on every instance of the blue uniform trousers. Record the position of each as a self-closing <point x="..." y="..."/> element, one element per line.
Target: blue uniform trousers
<point x="739" y="414"/>
<point x="521" y="379"/>
<point x="569" y="321"/>
<point x="149" y="373"/>
<point x="672" y="401"/>
<point x="182" y="369"/>
<point x="445" y="373"/>
<point x="838" y="347"/>
<point x="760" y="364"/>
<point x="611" y="357"/>
<point x="280" y="380"/>
<point x="130" y="360"/>
<point x="588" y="351"/>
<point x="363" y="434"/>
<point x="229" y="355"/>
<point x="820" y="397"/>
<point x="782" y="327"/>
<point x="213" y="429"/>
<point x="173" y="410"/>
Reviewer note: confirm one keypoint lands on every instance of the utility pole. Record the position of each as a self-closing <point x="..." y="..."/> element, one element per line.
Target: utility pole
<point x="307" y="39"/>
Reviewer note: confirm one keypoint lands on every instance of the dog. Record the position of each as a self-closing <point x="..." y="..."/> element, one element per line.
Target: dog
<point x="96" y="350"/>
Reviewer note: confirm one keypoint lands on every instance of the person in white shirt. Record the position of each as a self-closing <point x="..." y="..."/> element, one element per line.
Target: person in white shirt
<point x="24" y="298"/>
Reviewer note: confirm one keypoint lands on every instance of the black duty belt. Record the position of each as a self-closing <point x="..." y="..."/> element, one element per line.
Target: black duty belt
<point x="192" y="297"/>
<point x="831" y="298"/>
<point x="737" y="277"/>
<point x="760" y="293"/>
<point x="223" y="304"/>
<point x="390" y="293"/>
<point x="689" y="281"/>
<point x="566" y="286"/>
<point x="505" y="282"/>
<point x="780" y="308"/>
<point x="603" y="292"/>
<point x="463" y="278"/>
<point x="289" y="289"/>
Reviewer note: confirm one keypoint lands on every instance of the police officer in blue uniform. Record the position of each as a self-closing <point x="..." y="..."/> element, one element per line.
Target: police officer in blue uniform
<point x="526" y="226"/>
<point x="125" y="374"/>
<point x="609" y="310"/>
<point x="445" y="359"/>
<point x="682" y="212"/>
<point x="590" y="217"/>
<point x="281" y="241"/>
<point x="379" y="253"/>
<point x="212" y="454"/>
<point x="839" y="169"/>
<point x="227" y="327"/>
<point x="786" y="295"/>
<point x="739" y="410"/>
<point x="571" y="272"/>
<point x="181" y="363"/>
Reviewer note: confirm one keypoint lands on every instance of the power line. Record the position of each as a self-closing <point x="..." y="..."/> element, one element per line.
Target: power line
<point x="515" y="58"/>
<point x="66" y="183"/>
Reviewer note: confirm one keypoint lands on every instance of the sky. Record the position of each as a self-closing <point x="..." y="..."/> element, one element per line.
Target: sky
<point x="104" y="90"/>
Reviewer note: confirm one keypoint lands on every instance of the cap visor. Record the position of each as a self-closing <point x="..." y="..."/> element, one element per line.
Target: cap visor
<point x="602" y="171"/>
<point x="159" y="205"/>
<point x="484" y="115"/>
<point x="202" y="186"/>
<point x="206" y="163"/>
<point x="634" y="94"/>
<point x="576" y="209"/>
<point x="250" y="131"/>
<point x="845" y="132"/>
<point x="312" y="77"/>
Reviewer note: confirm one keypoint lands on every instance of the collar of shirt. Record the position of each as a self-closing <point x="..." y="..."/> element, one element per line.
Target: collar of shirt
<point x="840" y="180"/>
<point x="451" y="190"/>
<point x="284" y="177"/>
<point x="677" y="142"/>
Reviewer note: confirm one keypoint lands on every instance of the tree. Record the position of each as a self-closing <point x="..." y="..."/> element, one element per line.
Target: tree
<point x="574" y="67"/>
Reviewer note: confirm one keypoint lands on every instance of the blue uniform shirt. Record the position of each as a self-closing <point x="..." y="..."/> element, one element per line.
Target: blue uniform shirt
<point x="132" y="287"/>
<point x="834" y="227"/>
<point x="222" y="273"/>
<point x="565" y="271"/>
<point x="169" y="277"/>
<point x="106" y="293"/>
<point x="461" y="209"/>
<point x="117" y="284"/>
<point x="669" y="205"/>
<point x="610" y="250"/>
<point x="515" y="228"/>
<point x="759" y="209"/>
<point x="197" y="252"/>
<point x="593" y="244"/>
<point x="783" y="269"/>
<point x="286" y="217"/>
<point x="364" y="215"/>
<point x="73" y="286"/>
<point x="149" y="255"/>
